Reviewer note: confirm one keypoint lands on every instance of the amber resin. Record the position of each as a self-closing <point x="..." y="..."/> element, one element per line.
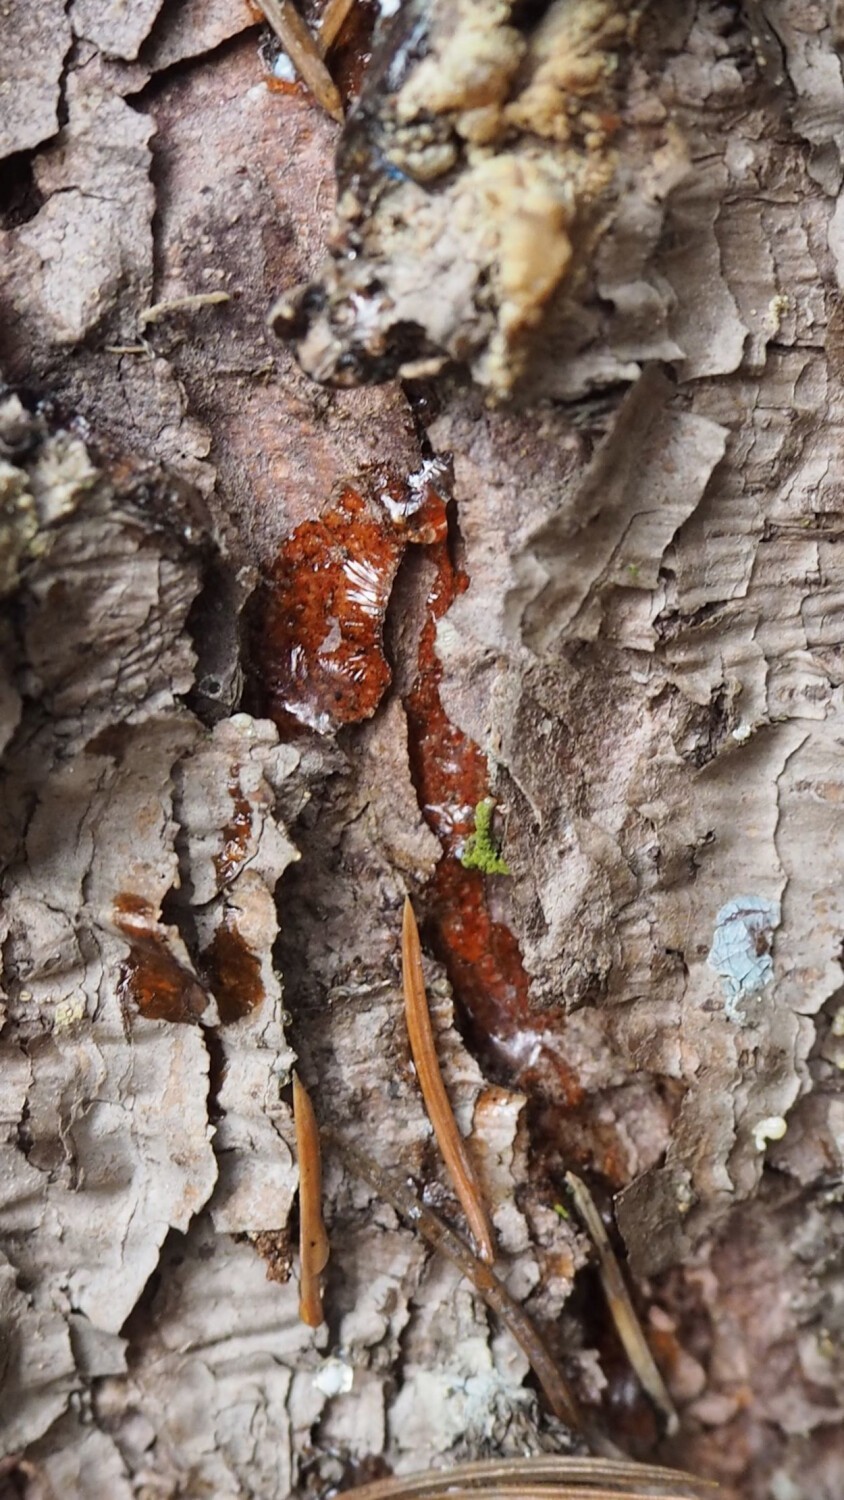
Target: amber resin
<point x="233" y="972"/>
<point x="451" y="777"/>
<point x="235" y="833"/>
<point x="318" y="638"/>
<point x="152" y="980"/>
<point x="482" y="956"/>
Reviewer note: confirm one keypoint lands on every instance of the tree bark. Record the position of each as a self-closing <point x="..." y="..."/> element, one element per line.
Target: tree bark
<point x="268" y="646"/>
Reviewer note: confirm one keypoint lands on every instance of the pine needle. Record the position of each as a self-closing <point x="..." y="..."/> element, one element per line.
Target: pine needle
<point x="451" y="1143"/>
<point x="621" y="1308"/>
<point x="560" y="1397"/>
<point x="313" y="1240"/>
<point x="331" y="22"/>
<point x="546" y="1477"/>
<point x="305" y="53"/>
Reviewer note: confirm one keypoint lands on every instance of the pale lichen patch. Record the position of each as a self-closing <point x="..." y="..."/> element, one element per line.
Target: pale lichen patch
<point x="741" y="949"/>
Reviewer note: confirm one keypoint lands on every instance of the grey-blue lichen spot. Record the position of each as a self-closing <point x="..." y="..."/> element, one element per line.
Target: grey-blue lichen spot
<point x="741" y="949"/>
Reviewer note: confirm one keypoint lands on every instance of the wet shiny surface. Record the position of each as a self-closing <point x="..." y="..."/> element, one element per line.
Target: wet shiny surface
<point x="152" y="980"/>
<point x="318" y="637"/>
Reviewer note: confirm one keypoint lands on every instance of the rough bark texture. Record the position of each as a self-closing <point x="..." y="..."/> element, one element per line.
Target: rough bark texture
<point x="614" y="603"/>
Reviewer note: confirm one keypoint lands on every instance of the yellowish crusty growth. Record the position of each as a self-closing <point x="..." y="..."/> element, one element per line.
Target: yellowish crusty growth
<point x="536" y="114"/>
<point x="478" y="185"/>
<point x="473" y="66"/>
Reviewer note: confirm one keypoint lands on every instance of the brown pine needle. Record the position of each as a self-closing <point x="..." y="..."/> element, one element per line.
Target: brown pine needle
<point x="621" y="1308"/>
<point x="560" y="1397"/>
<point x="556" y="1492"/>
<point x="450" y="1141"/>
<point x="331" y="22"/>
<point x="545" y="1477"/>
<point x="528" y="1491"/>
<point x="305" y="53"/>
<point x="313" y="1240"/>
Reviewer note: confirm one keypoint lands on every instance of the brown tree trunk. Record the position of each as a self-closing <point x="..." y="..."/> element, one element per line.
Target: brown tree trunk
<point x="268" y="646"/>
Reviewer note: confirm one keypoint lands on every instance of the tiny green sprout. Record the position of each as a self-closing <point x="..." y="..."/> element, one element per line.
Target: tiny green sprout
<point x="480" y="852"/>
<point x="561" y="1211"/>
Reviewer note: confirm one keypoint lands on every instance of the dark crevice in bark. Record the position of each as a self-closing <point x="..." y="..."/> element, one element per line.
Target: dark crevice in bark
<point x="216" y="625"/>
<point x="144" y="98"/>
<point x="20" y="197"/>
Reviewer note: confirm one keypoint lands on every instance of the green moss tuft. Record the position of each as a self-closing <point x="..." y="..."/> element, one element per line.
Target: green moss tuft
<point x="481" y="852"/>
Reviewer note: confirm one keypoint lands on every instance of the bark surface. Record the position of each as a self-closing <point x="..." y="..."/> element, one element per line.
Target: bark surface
<point x="267" y="647"/>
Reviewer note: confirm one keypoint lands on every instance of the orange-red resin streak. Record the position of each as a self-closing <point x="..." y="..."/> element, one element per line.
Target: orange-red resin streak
<point x="313" y="1240"/>
<point x="449" y="1139"/>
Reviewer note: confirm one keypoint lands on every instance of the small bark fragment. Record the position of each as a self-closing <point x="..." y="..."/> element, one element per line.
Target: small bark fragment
<point x="35" y="40"/>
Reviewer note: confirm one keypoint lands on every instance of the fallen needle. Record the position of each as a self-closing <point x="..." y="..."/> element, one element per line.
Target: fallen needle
<point x="560" y="1397"/>
<point x="621" y="1308"/>
<point x="313" y="1240"/>
<point x="305" y="52"/>
<point x="451" y="1143"/>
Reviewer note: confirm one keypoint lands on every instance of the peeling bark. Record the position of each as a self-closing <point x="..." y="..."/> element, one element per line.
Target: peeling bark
<point x="616" y="613"/>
